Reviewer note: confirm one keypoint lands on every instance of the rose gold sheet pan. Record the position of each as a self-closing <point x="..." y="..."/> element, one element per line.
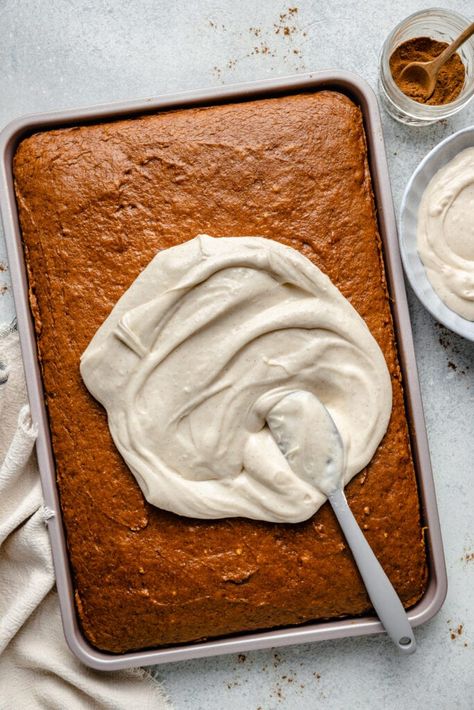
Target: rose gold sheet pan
<point x="361" y="93"/>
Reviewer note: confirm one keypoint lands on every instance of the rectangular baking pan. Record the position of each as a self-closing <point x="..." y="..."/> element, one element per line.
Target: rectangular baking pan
<point x="361" y="93"/>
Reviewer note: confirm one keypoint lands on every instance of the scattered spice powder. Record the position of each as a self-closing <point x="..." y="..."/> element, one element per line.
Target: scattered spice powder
<point x="455" y="633"/>
<point x="423" y="49"/>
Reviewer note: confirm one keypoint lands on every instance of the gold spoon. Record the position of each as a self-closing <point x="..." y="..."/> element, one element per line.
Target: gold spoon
<point x="425" y="74"/>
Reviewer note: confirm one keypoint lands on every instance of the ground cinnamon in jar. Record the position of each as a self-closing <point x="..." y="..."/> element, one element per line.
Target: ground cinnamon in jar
<point x="424" y="49"/>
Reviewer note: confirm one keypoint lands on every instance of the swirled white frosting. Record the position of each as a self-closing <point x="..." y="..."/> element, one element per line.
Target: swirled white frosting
<point x="445" y="233"/>
<point x="209" y="337"/>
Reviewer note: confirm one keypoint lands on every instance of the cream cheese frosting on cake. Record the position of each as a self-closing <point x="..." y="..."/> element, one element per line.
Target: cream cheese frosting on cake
<point x="211" y="335"/>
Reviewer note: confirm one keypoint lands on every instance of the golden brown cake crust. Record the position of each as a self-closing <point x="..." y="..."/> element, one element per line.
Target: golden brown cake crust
<point x="96" y="203"/>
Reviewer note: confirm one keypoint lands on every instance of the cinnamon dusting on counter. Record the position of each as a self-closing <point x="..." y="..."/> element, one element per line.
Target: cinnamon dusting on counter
<point x="456" y="632"/>
<point x="452" y="350"/>
<point x="273" y="41"/>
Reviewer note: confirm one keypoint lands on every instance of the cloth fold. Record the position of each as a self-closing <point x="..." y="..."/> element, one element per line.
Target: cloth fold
<point x="37" y="670"/>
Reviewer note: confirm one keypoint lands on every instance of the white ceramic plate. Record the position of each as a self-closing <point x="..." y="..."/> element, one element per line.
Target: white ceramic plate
<point x="414" y="269"/>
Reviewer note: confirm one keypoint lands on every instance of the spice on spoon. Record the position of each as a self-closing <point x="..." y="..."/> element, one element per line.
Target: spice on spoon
<point x="424" y="49"/>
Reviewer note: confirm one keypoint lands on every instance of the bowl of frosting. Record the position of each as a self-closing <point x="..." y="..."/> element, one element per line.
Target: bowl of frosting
<point x="437" y="232"/>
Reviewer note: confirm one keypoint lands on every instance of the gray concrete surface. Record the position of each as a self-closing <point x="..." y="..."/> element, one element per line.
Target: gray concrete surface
<point x="68" y="53"/>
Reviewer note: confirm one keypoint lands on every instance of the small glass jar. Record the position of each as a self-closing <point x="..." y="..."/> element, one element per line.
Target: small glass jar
<point x="443" y="26"/>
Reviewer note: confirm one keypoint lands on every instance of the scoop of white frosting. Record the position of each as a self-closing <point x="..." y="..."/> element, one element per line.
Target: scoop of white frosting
<point x="209" y="331"/>
<point x="445" y="233"/>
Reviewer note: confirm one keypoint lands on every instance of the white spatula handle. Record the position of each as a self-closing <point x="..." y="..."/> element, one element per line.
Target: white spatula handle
<point x="379" y="588"/>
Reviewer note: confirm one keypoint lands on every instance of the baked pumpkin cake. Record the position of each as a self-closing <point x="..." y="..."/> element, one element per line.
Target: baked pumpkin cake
<point x="96" y="203"/>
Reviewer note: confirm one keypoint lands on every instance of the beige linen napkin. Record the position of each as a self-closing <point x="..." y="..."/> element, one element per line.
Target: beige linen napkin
<point x="37" y="670"/>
